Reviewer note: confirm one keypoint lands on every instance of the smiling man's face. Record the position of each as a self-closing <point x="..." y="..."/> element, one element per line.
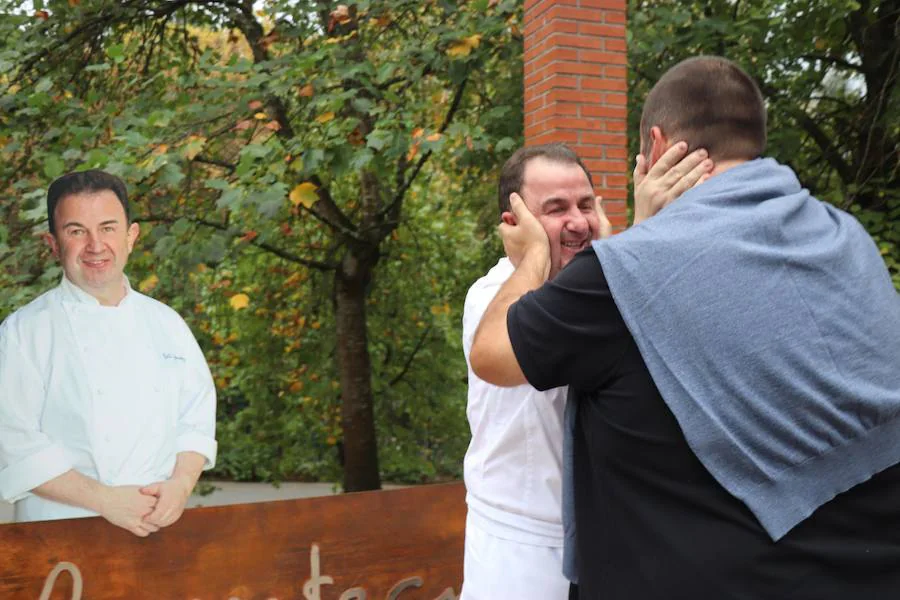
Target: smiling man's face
<point x="92" y="241"/>
<point x="560" y="196"/>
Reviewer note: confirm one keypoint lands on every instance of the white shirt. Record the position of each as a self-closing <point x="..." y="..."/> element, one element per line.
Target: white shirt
<point x="513" y="467"/>
<point x="114" y="392"/>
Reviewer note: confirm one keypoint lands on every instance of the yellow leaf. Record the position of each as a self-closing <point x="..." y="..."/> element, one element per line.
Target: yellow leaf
<point x="239" y="301"/>
<point x="433" y="137"/>
<point x="260" y="116"/>
<point x="148" y="284"/>
<point x="417" y="132"/>
<point x="306" y="91"/>
<point x="193" y="146"/>
<point x="325" y="117"/>
<point x="304" y="194"/>
<point x="161" y="149"/>
<point x="464" y="46"/>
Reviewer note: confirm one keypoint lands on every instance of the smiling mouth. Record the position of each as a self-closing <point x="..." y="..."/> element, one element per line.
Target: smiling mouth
<point x="95" y="263"/>
<point x="577" y="246"/>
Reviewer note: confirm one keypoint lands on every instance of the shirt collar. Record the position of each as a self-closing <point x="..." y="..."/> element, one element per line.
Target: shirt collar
<point x="73" y="293"/>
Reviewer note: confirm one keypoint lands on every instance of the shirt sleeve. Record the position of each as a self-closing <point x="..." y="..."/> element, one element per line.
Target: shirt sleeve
<point x="197" y="405"/>
<point x="28" y="457"/>
<point x="569" y="331"/>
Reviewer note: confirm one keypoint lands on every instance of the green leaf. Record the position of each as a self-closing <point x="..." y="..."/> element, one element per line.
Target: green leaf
<point x="53" y="166"/>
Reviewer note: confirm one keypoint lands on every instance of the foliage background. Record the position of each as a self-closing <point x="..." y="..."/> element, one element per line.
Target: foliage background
<point x="264" y="142"/>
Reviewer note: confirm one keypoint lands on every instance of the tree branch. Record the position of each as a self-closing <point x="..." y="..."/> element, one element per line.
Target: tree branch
<point x="834" y="60"/>
<point x="279" y="252"/>
<point x="393" y="208"/>
<point x="410" y="358"/>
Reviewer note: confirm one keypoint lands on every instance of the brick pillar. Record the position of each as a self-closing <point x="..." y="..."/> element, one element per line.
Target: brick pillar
<point x="575" y="88"/>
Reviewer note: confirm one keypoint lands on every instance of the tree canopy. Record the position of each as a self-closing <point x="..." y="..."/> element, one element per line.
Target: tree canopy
<point x="315" y="180"/>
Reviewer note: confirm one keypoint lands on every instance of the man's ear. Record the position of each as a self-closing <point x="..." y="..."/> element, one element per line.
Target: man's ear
<point x="134" y="230"/>
<point x="508" y="218"/>
<point x="659" y="143"/>
<point x="50" y="239"/>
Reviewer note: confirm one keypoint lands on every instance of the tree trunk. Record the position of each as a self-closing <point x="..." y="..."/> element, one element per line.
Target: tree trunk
<point x="355" y="372"/>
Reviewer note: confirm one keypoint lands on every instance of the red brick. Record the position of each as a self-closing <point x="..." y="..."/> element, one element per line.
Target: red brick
<point x="565" y="137"/>
<point x="616" y="99"/>
<point x="538" y="9"/>
<point x="606" y="58"/>
<point x="612" y="112"/>
<point x="608" y="4"/>
<point x="533" y="102"/>
<point x="590" y="151"/>
<point x="575" y="41"/>
<point x="567" y="109"/>
<point x="603" y="83"/>
<point x="575" y="14"/>
<point x="600" y="30"/>
<point x="542" y="114"/>
<point x="573" y="123"/>
<point x="616" y="125"/>
<point x="614" y="16"/>
<point x="613" y="196"/>
<point x="615" y="45"/>
<point x="561" y="95"/>
<point x="607" y="166"/>
<point x="551" y="82"/>
<point x="616" y="152"/>
<point x="602" y="139"/>
<point x="554" y="55"/>
<point x="577" y="68"/>
<point x="616" y="180"/>
<point x="612" y="72"/>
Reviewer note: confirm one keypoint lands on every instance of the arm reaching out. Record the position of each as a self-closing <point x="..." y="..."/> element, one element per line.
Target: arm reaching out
<point x="492" y="356"/>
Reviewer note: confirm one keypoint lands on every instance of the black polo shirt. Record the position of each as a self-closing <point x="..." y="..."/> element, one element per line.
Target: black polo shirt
<point x="652" y="523"/>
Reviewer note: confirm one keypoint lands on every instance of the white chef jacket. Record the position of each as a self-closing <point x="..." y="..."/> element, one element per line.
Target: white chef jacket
<point x="114" y="392"/>
<point x="513" y="466"/>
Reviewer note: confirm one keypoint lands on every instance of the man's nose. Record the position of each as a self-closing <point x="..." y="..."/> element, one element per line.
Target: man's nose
<point x="94" y="244"/>
<point x="577" y="222"/>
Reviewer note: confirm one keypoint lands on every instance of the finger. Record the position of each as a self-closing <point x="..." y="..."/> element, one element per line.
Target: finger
<point x="150" y="490"/>
<point x="517" y="205"/>
<point x="685" y="167"/>
<point x="640" y="169"/>
<point x="705" y="177"/>
<point x="139" y="531"/>
<point x="151" y="527"/>
<point x="669" y="159"/>
<point x="690" y="179"/>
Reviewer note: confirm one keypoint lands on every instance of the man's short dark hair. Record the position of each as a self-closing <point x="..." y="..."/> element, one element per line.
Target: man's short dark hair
<point x="512" y="174"/>
<point x="92" y="180"/>
<point x="708" y="102"/>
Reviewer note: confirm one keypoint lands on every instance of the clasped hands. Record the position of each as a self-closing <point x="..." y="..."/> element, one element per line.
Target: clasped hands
<point x="144" y="510"/>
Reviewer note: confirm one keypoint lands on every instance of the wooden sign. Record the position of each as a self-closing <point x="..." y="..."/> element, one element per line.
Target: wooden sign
<point x="404" y="544"/>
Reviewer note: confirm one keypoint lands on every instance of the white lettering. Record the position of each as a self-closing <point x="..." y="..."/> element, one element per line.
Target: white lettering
<point x="312" y="587"/>
<point x="77" y="581"/>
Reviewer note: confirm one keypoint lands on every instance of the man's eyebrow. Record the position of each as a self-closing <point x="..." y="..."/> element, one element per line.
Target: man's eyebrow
<point x="77" y="224"/>
<point x="553" y="200"/>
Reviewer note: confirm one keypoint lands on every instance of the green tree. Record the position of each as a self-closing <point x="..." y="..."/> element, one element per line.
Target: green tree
<point x="829" y="72"/>
<point x="277" y="158"/>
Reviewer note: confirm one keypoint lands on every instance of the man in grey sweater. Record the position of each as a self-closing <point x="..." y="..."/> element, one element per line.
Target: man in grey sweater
<point x="735" y="363"/>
